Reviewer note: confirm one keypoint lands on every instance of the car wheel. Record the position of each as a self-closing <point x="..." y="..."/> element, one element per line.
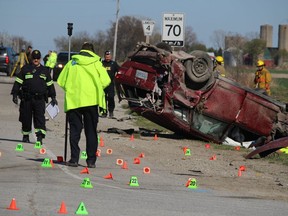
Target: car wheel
<point x="200" y="68"/>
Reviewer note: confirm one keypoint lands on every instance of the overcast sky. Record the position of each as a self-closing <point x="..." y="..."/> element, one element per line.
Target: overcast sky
<point x="41" y="21"/>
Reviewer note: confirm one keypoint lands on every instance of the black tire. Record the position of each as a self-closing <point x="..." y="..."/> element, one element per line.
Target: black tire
<point x="200" y="68"/>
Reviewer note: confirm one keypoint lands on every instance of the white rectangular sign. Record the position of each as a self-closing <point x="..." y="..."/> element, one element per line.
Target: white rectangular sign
<point x="148" y="26"/>
<point x="173" y="29"/>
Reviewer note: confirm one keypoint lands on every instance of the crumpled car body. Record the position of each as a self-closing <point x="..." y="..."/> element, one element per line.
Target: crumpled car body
<point x="180" y="92"/>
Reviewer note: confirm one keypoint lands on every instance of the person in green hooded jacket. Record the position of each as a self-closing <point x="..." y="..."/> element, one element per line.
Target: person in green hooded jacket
<point x="84" y="79"/>
<point x="51" y="61"/>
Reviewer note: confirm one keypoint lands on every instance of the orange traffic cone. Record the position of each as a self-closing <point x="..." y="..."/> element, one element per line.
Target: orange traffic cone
<point x="142" y="155"/>
<point x="132" y="138"/>
<point x="98" y="153"/>
<point x="207" y="146"/>
<point x="109" y="176"/>
<point x="136" y="161"/>
<point x="155" y="137"/>
<point x="85" y="171"/>
<point x="239" y="173"/>
<point x="52" y="163"/>
<point x="146" y="170"/>
<point x="237" y="148"/>
<point x="124" y="166"/>
<point x="62" y="209"/>
<point x="13" y="205"/>
<point x="101" y="142"/>
<point x="242" y="168"/>
<point x="184" y="149"/>
<point x="213" y="157"/>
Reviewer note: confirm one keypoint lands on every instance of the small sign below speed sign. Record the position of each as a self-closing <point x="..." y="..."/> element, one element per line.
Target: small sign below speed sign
<point x="173" y="29"/>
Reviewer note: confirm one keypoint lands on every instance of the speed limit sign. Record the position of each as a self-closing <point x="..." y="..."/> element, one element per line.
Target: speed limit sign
<point x="173" y="29"/>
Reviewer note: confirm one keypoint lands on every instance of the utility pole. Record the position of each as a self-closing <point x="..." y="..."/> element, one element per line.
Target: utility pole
<point x="116" y="32"/>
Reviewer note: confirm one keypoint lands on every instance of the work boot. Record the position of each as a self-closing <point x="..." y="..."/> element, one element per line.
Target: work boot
<point x="39" y="138"/>
<point x="26" y="139"/>
<point x="104" y="115"/>
<point x="111" y="115"/>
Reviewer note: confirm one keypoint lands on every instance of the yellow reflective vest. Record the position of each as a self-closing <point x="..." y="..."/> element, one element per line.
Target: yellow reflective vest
<point x="83" y="79"/>
<point x="52" y="60"/>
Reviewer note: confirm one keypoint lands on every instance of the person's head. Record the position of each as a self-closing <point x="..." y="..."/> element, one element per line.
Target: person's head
<point x="107" y="55"/>
<point x="260" y="64"/>
<point x="29" y="48"/>
<point x="36" y="57"/>
<point x="219" y="60"/>
<point x="87" y="46"/>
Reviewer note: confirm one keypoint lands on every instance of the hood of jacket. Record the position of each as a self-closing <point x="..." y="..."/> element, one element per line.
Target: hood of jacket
<point x="84" y="58"/>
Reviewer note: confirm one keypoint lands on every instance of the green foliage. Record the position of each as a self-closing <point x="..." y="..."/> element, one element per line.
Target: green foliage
<point x="255" y="47"/>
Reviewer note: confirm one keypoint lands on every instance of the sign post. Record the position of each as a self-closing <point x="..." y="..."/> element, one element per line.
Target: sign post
<point x="148" y="26"/>
<point x="173" y="29"/>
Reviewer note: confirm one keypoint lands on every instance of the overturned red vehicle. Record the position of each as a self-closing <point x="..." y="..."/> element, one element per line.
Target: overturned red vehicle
<point x="180" y="92"/>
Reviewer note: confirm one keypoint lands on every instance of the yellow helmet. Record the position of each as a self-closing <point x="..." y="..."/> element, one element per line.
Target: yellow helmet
<point x="219" y="59"/>
<point x="260" y="63"/>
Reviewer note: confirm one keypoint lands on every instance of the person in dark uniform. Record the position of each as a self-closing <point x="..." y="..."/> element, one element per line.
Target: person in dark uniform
<point x="112" y="68"/>
<point x="28" y="54"/>
<point x="33" y="85"/>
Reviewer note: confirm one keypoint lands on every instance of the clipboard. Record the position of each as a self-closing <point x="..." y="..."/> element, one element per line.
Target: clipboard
<point x="52" y="110"/>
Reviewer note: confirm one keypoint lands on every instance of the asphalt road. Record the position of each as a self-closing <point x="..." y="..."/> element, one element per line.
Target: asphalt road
<point x="40" y="190"/>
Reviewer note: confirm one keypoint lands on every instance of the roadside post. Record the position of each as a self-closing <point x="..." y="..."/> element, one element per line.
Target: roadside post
<point x="148" y="26"/>
<point x="70" y="29"/>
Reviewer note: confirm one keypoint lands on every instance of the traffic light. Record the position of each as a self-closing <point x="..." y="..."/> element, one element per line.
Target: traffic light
<point x="70" y="28"/>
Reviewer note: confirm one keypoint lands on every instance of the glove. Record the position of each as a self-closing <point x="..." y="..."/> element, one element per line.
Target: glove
<point x="54" y="101"/>
<point x="15" y="99"/>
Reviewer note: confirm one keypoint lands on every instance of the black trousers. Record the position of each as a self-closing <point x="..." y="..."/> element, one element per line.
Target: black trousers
<point x="33" y="109"/>
<point x="86" y="117"/>
<point x="109" y="97"/>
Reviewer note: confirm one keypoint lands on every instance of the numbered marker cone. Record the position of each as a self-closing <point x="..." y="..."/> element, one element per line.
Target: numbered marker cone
<point x="37" y="145"/>
<point x="134" y="182"/>
<point x="86" y="183"/>
<point x="132" y="138"/>
<point x="109" y="151"/>
<point x="13" y="205"/>
<point x="63" y="209"/>
<point x="146" y="170"/>
<point x="83" y="155"/>
<point x="109" y="176"/>
<point x="119" y="162"/>
<point x="125" y="165"/>
<point x="136" y="161"/>
<point x="213" y="157"/>
<point x="19" y="147"/>
<point x="187" y="152"/>
<point x="46" y="163"/>
<point x="85" y="171"/>
<point x="142" y="155"/>
<point x="42" y="151"/>
<point x="155" y="137"/>
<point x="81" y="210"/>
<point x="101" y="142"/>
<point x="52" y="163"/>
<point x="193" y="183"/>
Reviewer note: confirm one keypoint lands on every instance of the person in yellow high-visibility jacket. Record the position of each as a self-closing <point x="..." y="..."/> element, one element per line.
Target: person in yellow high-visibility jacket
<point x="52" y="60"/>
<point x="262" y="78"/>
<point x="84" y="79"/>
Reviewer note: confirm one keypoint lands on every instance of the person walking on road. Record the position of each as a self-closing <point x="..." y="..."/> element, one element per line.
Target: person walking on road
<point x="51" y="61"/>
<point x="112" y="68"/>
<point x="33" y="85"/>
<point x="262" y="78"/>
<point x="83" y="79"/>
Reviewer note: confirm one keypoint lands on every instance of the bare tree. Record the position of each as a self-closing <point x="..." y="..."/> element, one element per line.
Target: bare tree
<point x="218" y="39"/>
